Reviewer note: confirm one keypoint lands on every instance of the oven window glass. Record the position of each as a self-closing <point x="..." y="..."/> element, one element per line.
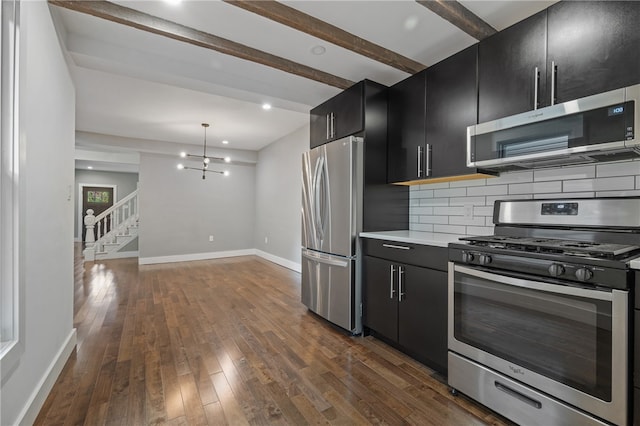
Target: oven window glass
<point x="565" y="338"/>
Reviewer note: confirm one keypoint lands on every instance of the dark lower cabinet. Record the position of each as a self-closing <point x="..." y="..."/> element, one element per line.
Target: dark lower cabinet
<point x="422" y="315"/>
<point x="406" y="305"/>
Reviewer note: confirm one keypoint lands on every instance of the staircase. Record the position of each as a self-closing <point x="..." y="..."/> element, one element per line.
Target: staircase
<point x="111" y="232"/>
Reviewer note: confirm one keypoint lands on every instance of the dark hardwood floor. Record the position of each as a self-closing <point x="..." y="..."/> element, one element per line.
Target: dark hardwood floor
<point x="228" y="342"/>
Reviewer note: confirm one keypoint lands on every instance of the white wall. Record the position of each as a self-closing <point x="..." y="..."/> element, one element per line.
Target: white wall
<point x="440" y="207"/>
<point x="179" y="210"/>
<point x="47" y="122"/>
<point x="125" y="183"/>
<point x="278" y="196"/>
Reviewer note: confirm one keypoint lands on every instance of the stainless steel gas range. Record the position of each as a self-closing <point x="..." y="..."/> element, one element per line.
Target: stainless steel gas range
<point x="539" y="312"/>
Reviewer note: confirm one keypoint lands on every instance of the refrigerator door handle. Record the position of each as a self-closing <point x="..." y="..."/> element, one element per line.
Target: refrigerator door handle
<point x="326" y="259"/>
<point x="315" y="200"/>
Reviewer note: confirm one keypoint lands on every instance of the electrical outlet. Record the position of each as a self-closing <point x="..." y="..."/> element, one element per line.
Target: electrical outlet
<point x="468" y="211"/>
<point x="211" y="238"/>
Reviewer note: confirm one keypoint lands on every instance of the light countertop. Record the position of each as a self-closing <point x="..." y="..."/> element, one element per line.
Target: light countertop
<point x="635" y="263"/>
<point x="415" y="237"/>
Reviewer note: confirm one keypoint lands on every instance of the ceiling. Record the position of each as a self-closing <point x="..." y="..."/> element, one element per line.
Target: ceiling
<point x="131" y="83"/>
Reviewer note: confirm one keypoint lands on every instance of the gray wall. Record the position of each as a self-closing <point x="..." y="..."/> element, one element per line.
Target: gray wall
<point x="179" y="210"/>
<point x="125" y="183"/>
<point x="278" y="196"/>
<point x="47" y="122"/>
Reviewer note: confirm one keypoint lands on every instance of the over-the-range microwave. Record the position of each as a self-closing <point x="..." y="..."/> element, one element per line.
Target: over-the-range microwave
<point x="596" y="128"/>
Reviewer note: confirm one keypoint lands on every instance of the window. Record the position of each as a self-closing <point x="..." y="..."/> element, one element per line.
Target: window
<point x="9" y="189"/>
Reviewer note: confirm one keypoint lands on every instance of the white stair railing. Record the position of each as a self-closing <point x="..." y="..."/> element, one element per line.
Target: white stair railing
<point x="108" y="225"/>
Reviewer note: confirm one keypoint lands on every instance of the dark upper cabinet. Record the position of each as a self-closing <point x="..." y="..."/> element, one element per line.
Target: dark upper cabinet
<point x="407" y="131"/>
<point x="428" y="117"/>
<point x="340" y="116"/>
<point x="594" y="45"/>
<point x="578" y="48"/>
<point x="451" y="107"/>
<point x="512" y="69"/>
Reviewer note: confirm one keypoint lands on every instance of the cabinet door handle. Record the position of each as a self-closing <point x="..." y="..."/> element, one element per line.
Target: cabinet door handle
<point x="400" y="283"/>
<point x="393" y="246"/>
<point x="333" y="125"/>
<point x="554" y="78"/>
<point x="419" y="161"/>
<point x="428" y="160"/>
<point x="327" y="121"/>
<point x="391" y="290"/>
<point x="536" y="87"/>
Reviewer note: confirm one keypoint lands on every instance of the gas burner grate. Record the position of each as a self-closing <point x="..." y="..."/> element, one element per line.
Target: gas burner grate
<point x="552" y="246"/>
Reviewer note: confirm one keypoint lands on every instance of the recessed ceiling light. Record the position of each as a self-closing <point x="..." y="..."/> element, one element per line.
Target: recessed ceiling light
<point x="173" y="2"/>
<point x="318" y="50"/>
<point x="225" y="142"/>
<point x="411" y="23"/>
<point x="266" y="106"/>
<point x="227" y="159"/>
<point x="90" y="167"/>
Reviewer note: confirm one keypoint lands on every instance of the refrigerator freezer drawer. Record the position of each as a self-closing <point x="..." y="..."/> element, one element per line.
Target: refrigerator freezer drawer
<point x="328" y="287"/>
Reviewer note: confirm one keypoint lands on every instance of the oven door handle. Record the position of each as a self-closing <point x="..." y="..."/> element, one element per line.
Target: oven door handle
<point x="536" y="285"/>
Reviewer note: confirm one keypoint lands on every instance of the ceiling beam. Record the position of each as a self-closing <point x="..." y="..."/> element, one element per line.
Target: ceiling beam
<point x="143" y="21"/>
<point x="460" y="16"/>
<point x="300" y="21"/>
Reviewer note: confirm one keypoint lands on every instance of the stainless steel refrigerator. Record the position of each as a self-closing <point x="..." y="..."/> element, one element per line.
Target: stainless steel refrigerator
<point x="331" y="221"/>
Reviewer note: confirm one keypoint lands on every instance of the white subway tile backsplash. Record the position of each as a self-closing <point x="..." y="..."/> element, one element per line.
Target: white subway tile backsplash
<point x="480" y="230"/>
<point x="421" y="227"/>
<point x="535" y="187"/>
<point x="420" y="210"/>
<point x="622" y="168"/>
<point x="440" y="185"/>
<point x="618" y="193"/>
<point x="488" y="190"/>
<point x="435" y="219"/>
<point x="599" y="184"/>
<point x="512" y="177"/>
<point x="449" y="229"/>
<point x="461" y="201"/>
<point x="466" y="183"/>
<point x="449" y="211"/>
<point x="422" y="193"/>
<point x="483" y="211"/>
<point x="472" y="221"/>
<point x="493" y="198"/>
<point x="450" y="192"/>
<point x="440" y="207"/>
<point x="566" y="195"/>
<point x="434" y="202"/>
<point x="565" y="173"/>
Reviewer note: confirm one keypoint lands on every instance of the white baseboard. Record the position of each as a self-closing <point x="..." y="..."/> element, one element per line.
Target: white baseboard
<point x="195" y="256"/>
<point x="117" y="255"/>
<point x="279" y="260"/>
<point x="40" y="393"/>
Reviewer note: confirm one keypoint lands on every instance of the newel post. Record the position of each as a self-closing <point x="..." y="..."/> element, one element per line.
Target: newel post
<point x="89" y="223"/>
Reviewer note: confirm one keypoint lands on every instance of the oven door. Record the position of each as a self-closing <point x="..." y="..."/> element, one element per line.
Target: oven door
<point x="569" y="342"/>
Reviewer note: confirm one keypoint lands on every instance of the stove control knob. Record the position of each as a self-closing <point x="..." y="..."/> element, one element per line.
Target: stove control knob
<point x="555" y="270"/>
<point x="484" y="259"/>
<point x="467" y="257"/>
<point x="583" y="274"/>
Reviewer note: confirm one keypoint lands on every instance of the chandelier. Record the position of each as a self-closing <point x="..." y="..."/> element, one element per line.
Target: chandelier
<point x="205" y="159"/>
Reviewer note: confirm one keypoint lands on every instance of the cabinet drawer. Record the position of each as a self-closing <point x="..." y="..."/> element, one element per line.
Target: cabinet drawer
<point x="411" y="254"/>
